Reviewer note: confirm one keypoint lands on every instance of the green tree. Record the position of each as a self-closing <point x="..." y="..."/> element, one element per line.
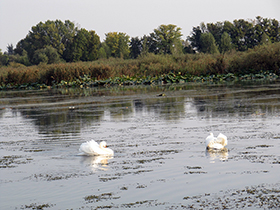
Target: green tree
<point x="118" y="44"/>
<point x="208" y="43"/>
<point x="149" y="44"/>
<point x="135" y="47"/>
<point x="4" y="59"/>
<point x="23" y="58"/>
<point x="51" y="33"/>
<point x="225" y="44"/>
<point x="177" y="48"/>
<point x="124" y="45"/>
<point x="274" y="31"/>
<point x="102" y="53"/>
<point x="194" y="38"/>
<point x="216" y="30"/>
<point x="10" y="49"/>
<point x="93" y="46"/>
<point x="188" y="48"/>
<point x="265" y="39"/>
<point x="270" y="27"/>
<point x="244" y="34"/>
<point x="167" y="38"/>
<point x="84" y="47"/>
<point x="47" y="55"/>
<point x="145" y="48"/>
<point x="40" y="57"/>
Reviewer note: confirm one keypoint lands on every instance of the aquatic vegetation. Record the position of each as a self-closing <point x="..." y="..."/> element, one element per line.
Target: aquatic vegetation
<point x="260" y="63"/>
<point x="13" y="160"/>
<point x="54" y="177"/>
<point x="260" y="196"/>
<point x="194" y="170"/>
<point x="139" y="203"/>
<point x="101" y="197"/>
<point x="37" y="206"/>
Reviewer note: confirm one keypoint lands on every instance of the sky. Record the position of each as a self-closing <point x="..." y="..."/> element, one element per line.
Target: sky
<point x="133" y="17"/>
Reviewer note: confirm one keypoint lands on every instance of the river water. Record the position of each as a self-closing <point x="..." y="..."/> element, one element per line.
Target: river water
<point x="158" y="136"/>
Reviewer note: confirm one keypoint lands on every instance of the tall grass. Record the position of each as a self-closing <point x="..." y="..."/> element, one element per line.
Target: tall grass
<point x="261" y="58"/>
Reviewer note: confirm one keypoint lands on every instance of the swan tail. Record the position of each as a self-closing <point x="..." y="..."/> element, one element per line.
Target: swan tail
<point x="222" y="139"/>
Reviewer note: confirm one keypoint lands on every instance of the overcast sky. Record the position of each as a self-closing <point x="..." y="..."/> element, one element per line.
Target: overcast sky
<point x="133" y="17"/>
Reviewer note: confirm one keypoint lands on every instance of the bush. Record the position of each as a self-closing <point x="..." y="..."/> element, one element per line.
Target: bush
<point x="264" y="58"/>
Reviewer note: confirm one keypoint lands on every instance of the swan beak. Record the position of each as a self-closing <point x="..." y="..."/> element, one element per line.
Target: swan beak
<point x="105" y="146"/>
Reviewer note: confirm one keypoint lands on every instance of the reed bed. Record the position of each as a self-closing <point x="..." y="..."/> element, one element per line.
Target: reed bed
<point x="264" y="58"/>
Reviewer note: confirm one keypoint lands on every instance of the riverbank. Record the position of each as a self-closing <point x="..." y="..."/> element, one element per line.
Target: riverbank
<point x="262" y="62"/>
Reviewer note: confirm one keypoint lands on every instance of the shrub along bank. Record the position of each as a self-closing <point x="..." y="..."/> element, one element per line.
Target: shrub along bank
<point x="260" y="62"/>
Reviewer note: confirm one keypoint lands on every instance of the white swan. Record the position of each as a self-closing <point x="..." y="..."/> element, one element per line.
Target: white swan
<point x="216" y="143"/>
<point x="92" y="148"/>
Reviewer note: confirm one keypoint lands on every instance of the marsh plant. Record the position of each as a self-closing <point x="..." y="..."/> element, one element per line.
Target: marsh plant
<point x="261" y="62"/>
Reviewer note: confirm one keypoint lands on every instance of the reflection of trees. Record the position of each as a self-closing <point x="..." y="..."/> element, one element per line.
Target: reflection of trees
<point x="168" y="108"/>
<point x="227" y="102"/>
<point x="138" y="105"/>
<point x="61" y="120"/>
<point x="221" y="106"/>
<point x="119" y="110"/>
<point x="68" y="110"/>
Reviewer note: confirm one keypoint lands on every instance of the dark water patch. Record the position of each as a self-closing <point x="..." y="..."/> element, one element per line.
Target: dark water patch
<point x="34" y="150"/>
<point x="142" y="204"/>
<point x="131" y="205"/>
<point x="116" y="176"/>
<point x="101" y="197"/>
<point x="56" y="177"/>
<point x="141" y="186"/>
<point x="13" y="161"/>
<point x="253" y="157"/>
<point x="194" y="170"/>
<point x="254" y="172"/>
<point x="193" y="167"/>
<point x="144" y="161"/>
<point x="37" y="206"/>
<point x="264" y="146"/>
<point x="106" y="179"/>
<point x="132" y="168"/>
<point x="154" y="153"/>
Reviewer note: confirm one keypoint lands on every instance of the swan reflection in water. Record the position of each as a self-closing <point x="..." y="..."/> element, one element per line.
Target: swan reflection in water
<point x="96" y="162"/>
<point x="214" y="154"/>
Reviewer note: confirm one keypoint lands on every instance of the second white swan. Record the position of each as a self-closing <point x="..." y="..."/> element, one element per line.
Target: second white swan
<point x="216" y="143"/>
<point x="92" y="148"/>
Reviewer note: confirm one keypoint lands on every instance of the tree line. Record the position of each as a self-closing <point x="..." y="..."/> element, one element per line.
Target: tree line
<point x="57" y="41"/>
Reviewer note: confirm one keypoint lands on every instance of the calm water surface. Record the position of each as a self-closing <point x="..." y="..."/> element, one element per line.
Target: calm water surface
<point x="158" y="136"/>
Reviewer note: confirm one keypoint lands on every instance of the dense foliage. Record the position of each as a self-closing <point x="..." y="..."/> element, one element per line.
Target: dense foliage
<point x="260" y="62"/>
<point x="56" y="51"/>
<point x="57" y="41"/>
<point x="240" y="35"/>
